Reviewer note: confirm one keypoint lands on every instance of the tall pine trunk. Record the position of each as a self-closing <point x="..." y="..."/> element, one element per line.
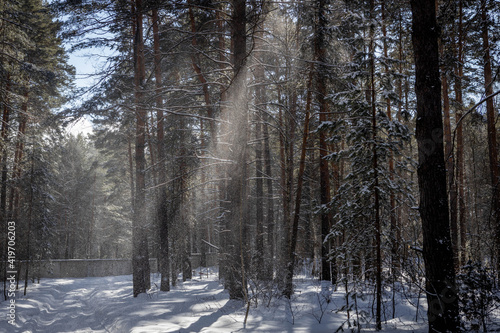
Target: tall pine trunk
<point x="392" y="196"/>
<point x="161" y="208"/>
<point x="376" y="195"/>
<point x="288" y="290"/>
<point x="3" y="187"/>
<point x="263" y="164"/>
<point x="201" y="77"/>
<point x="460" y="163"/>
<point x="270" y="202"/>
<point x="259" y="150"/>
<point x="14" y="201"/>
<point x="442" y="299"/>
<point x="140" y="255"/>
<point x="449" y="160"/>
<point x="236" y="214"/>
<point x="324" y="170"/>
<point x="30" y="223"/>
<point x="492" y="134"/>
<point x="4" y="135"/>
<point x="205" y="144"/>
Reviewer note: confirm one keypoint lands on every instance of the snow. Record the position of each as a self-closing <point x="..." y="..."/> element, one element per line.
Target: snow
<point x="105" y="304"/>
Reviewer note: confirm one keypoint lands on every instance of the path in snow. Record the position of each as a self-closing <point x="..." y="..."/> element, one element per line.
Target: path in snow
<point x="106" y="305"/>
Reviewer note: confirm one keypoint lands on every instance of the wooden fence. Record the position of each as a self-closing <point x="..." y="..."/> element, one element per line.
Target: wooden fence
<point x="77" y="268"/>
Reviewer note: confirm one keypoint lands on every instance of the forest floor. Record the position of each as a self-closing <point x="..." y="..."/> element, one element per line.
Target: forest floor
<point x="105" y="304"/>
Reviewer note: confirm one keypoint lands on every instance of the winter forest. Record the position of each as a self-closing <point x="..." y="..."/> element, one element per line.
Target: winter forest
<point x="285" y="166"/>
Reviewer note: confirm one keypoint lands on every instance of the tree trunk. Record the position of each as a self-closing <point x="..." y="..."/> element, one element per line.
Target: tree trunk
<point x="131" y="170"/>
<point x="237" y="114"/>
<point x="18" y="156"/>
<point x="4" y="134"/>
<point x="162" y="211"/>
<point x="201" y="76"/>
<point x="259" y="147"/>
<point x="151" y="149"/>
<point x="376" y="195"/>
<point x="259" y="188"/>
<point x="492" y="134"/>
<point x="270" y="202"/>
<point x="442" y="299"/>
<point x="285" y="193"/>
<point x="263" y="168"/>
<point x="324" y="172"/>
<point x="140" y="255"/>
<point x="222" y="172"/>
<point x="460" y="163"/>
<point x="288" y="291"/>
<point x="392" y="196"/>
<point x="195" y="62"/>
<point x="399" y="212"/>
<point x="450" y="163"/>
<point x="290" y="128"/>
<point x="28" y="232"/>
<point x="3" y="188"/>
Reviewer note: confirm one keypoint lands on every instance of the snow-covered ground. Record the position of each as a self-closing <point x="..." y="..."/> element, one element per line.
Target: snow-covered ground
<point x="106" y="304"/>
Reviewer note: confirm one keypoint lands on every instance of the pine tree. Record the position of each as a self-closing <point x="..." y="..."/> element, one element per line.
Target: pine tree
<point x="237" y="116"/>
<point x="438" y="254"/>
<point x="492" y="136"/>
<point x="162" y="197"/>
<point x="34" y="72"/>
<point x="140" y="255"/>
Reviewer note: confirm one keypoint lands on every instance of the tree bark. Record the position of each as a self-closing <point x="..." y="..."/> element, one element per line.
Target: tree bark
<point x="288" y="291"/>
<point x="442" y="298"/>
<point x="162" y="210"/>
<point x="392" y="196"/>
<point x="259" y="185"/>
<point x="260" y="100"/>
<point x="285" y="193"/>
<point x="324" y="170"/>
<point x="131" y="170"/>
<point x="460" y="163"/>
<point x="18" y="156"/>
<point x="237" y="113"/>
<point x="3" y="188"/>
<point x="140" y="255"/>
<point x="376" y="195"/>
<point x="201" y="77"/>
<point x="263" y="166"/>
<point x="4" y="136"/>
<point x="270" y="203"/>
<point x="492" y="134"/>
<point x="30" y="222"/>
<point x="449" y="162"/>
